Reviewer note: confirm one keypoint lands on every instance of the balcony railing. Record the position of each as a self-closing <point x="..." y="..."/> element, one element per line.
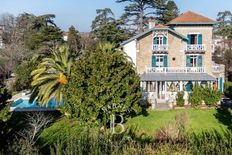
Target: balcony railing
<point x="196" y="47"/>
<point x="160" y="48"/>
<point x="175" y="69"/>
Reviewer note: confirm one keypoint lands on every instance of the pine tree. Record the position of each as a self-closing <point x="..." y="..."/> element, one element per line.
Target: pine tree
<point x="136" y="14"/>
<point x="105" y="28"/>
<point x="166" y="10"/>
<point x="74" y="41"/>
<point x="104" y="83"/>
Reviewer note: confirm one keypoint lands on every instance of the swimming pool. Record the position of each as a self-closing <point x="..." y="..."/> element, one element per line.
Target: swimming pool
<point x="23" y="104"/>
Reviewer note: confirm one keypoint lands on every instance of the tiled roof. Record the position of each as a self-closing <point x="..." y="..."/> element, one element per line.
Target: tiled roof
<point x="191" y="17"/>
<point x="161" y="26"/>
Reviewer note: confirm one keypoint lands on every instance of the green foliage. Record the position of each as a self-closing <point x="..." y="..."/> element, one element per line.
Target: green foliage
<point x="195" y="96"/>
<point x="136" y="13"/>
<point x="211" y="97"/>
<point x="23" y="74"/>
<point x="80" y="140"/>
<point x="208" y="95"/>
<point x="180" y="99"/>
<point x="74" y="41"/>
<point x="166" y="11"/>
<point x="43" y="39"/>
<point x="104" y="83"/>
<point x="51" y="75"/>
<point x="228" y="89"/>
<point x="106" y="29"/>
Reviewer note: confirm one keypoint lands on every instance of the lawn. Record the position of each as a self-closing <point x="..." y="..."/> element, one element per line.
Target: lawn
<point x="199" y="120"/>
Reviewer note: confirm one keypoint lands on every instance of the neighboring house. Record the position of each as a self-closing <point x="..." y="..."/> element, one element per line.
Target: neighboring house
<point x="175" y="57"/>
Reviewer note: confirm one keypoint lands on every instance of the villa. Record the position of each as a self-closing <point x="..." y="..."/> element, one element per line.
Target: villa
<point x="174" y="57"/>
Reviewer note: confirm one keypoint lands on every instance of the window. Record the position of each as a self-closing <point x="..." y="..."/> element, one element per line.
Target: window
<point x="194" y="61"/>
<point x="160" y="40"/>
<point x="160" y="61"/>
<point x="194" y="39"/>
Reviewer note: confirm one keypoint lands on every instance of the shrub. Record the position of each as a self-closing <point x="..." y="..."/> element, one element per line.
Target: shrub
<point x="180" y="99"/>
<point x="104" y="82"/>
<point x="211" y="97"/>
<point x="174" y="130"/>
<point x="196" y="96"/>
<point x="23" y="74"/>
<point x="228" y="89"/>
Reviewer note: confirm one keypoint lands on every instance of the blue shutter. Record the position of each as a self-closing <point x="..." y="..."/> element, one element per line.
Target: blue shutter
<point x="165" y="61"/>
<point x="153" y="61"/>
<point x="189" y="86"/>
<point x="164" y="40"/>
<point x="189" y="39"/>
<point x="200" y="39"/>
<point x="221" y="85"/>
<point x="199" y="64"/>
<point x="155" y="40"/>
<point x="188" y="61"/>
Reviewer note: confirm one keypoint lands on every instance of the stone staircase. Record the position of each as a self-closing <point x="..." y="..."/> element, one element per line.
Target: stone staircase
<point x="162" y="105"/>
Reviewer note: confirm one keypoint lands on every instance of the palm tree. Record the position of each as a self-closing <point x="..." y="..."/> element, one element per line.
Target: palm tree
<point x="51" y="75"/>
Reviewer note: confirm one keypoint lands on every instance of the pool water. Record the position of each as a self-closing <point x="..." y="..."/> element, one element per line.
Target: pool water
<point x="24" y="103"/>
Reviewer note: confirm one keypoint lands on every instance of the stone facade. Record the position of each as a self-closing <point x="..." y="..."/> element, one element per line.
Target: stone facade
<point x="207" y="36"/>
<point x="144" y="53"/>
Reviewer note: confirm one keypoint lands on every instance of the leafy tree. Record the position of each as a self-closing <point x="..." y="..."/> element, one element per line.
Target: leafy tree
<point x="23" y="73"/>
<point x="74" y="41"/>
<point x="224" y="18"/>
<point x="45" y="39"/>
<point x="106" y="29"/>
<point x="136" y="13"/>
<point x="4" y="108"/>
<point x="104" y="83"/>
<point x="51" y="75"/>
<point x="166" y="10"/>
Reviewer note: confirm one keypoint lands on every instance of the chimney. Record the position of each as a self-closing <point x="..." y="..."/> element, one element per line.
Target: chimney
<point x="151" y="23"/>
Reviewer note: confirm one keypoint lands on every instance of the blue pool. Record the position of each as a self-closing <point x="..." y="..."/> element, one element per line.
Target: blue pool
<point x="23" y="104"/>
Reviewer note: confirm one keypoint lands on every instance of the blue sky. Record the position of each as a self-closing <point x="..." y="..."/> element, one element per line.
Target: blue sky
<point x="80" y="13"/>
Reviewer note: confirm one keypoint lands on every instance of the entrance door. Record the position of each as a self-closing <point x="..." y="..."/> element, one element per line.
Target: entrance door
<point x="161" y="90"/>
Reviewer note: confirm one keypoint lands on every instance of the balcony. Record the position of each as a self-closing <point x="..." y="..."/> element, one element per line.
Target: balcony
<point x="196" y="48"/>
<point x="160" y="48"/>
<point x="175" y="70"/>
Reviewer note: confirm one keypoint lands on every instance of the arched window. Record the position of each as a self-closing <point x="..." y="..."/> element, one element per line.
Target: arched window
<point x="160" y="40"/>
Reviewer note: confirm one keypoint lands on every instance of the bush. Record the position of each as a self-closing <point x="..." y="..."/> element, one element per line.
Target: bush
<point x="228" y="89"/>
<point x="180" y="99"/>
<point x="195" y="96"/>
<point x="23" y="74"/>
<point x="211" y="97"/>
<point x="103" y="83"/>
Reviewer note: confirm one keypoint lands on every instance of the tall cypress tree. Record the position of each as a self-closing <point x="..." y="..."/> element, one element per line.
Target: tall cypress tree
<point x="74" y="41"/>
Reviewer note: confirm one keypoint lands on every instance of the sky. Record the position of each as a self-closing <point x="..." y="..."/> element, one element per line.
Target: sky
<point x="81" y="13"/>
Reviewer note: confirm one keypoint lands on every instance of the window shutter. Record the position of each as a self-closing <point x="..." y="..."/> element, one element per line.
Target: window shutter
<point x="165" y="61"/>
<point x="188" y="61"/>
<point x="189" y="39"/>
<point x="199" y="64"/>
<point x="153" y="61"/>
<point x="200" y="39"/>
<point x="164" y="40"/>
<point x="155" y="40"/>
